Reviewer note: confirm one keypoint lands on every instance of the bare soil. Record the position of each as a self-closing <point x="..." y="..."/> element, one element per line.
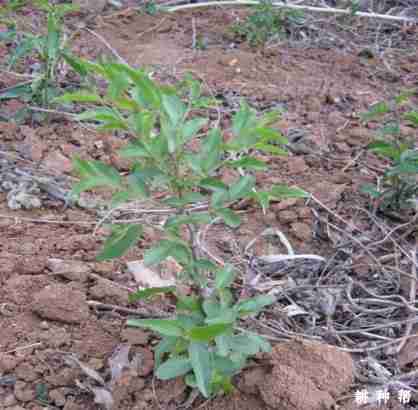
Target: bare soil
<point x="49" y="311"/>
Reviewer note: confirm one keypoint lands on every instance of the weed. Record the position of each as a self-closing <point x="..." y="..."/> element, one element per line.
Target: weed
<point x="399" y="187"/>
<point x="265" y="23"/>
<point x="49" y="51"/>
<point x="203" y="342"/>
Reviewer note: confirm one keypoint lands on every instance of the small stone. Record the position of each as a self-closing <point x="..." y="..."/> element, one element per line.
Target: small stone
<point x="9" y="400"/>
<point x="305" y="213"/>
<point x="287" y="216"/>
<point x="8" y="363"/>
<point x="32" y="265"/>
<point x="44" y="325"/>
<point x="71" y="270"/>
<point x="135" y="336"/>
<point x="106" y="290"/>
<point x="95" y="363"/>
<point x="285" y="204"/>
<point x="24" y="391"/>
<point x="61" y="303"/>
<point x="302" y="231"/>
<point x="58" y="162"/>
<point x="297" y="166"/>
<point x="58" y="396"/>
<point x="336" y="119"/>
<point x="26" y="372"/>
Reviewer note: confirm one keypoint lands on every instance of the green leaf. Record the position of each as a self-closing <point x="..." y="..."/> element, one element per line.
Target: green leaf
<point x="79" y="96"/>
<point x="412" y="116"/>
<point x="254" y="305"/>
<point x="173" y="367"/>
<point x="225" y="277"/>
<point x="211" y="307"/>
<point x="229" y="216"/>
<point x="219" y="198"/>
<point x="158" y="253"/>
<point x="270" y="149"/>
<point x="271" y="135"/>
<point x="53" y="38"/>
<point x="242" y="188"/>
<point x="149" y="292"/>
<point x="263" y="198"/>
<point x="193" y="219"/>
<point x="212" y="184"/>
<point x="190" y="303"/>
<point x="18" y="91"/>
<point x="375" y="111"/>
<point x="134" y="149"/>
<point x="174" y="108"/>
<point x="191" y="127"/>
<point x="121" y="239"/>
<point x="166" y="345"/>
<point x="386" y="149"/>
<point x="225" y="366"/>
<point x="244" y="345"/>
<point x="100" y="114"/>
<point x="166" y="327"/>
<point x="94" y="174"/>
<point x="208" y="333"/>
<point x="211" y="151"/>
<point x="80" y="66"/>
<point x="200" y="358"/>
<point x="263" y="344"/>
<point x="283" y="191"/>
<point x="247" y="163"/>
<point x="242" y="119"/>
<point x="269" y="118"/>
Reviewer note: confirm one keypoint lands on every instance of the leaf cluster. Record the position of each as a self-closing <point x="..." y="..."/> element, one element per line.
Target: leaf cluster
<point x="265" y="23"/>
<point x="49" y="50"/>
<point x="400" y="187"/>
<point x="173" y="146"/>
<point x="201" y="342"/>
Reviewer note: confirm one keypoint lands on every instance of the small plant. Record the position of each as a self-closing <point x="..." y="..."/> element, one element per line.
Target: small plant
<point x="265" y="23"/>
<point x="203" y="341"/>
<point x="49" y="50"/>
<point x="399" y="186"/>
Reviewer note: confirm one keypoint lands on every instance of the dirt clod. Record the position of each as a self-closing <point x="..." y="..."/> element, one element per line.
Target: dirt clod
<point x="61" y="303"/>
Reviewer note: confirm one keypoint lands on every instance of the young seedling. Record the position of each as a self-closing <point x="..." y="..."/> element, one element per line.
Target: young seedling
<point x="399" y="187"/>
<point x="202" y="342"/>
<point x="49" y="50"/>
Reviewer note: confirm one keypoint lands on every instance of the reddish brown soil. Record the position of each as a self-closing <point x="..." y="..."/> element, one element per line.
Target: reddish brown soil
<point x="44" y="315"/>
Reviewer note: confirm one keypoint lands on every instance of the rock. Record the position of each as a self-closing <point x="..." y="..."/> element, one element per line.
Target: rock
<point x="58" y="162"/>
<point x="357" y="136"/>
<point x="26" y="372"/>
<point x="306" y="376"/>
<point x="305" y="213"/>
<point x="297" y="166"/>
<point x="285" y="204"/>
<point x="336" y="119"/>
<point x="24" y="391"/>
<point x="287" y="216"/>
<point x="69" y="269"/>
<point x="90" y="6"/>
<point x="58" y="396"/>
<point x="135" y="336"/>
<point x="61" y="303"/>
<point x="31" y="265"/>
<point x="302" y="231"/>
<point x="72" y="405"/>
<point x="106" y="290"/>
<point x="8" y="362"/>
<point x="9" y="400"/>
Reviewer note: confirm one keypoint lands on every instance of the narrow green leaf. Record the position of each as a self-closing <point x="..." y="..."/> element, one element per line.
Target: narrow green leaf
<point x="242" y="188"/>
<point x="245" y="345"/>
<point x="229" y="217"/>
<point x="200" y="358"/>
<point x="79" y="96"/>
<point x="191" y="127"/>
<point x="121" y="239"/>
<point x="149" y="292"/>
<point x="158" y="253"/>
<point x="166" y="345"/>
<point x="255" y="304"/>
<point x="173" y="367"/>
<point x="247" y="163"/>
<point x="166" y="327"/>
<point x="225" y="276"/>
<point x="283" y="191"/>
<point x="174" y="108"/>
<point x="208" y="333"/>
